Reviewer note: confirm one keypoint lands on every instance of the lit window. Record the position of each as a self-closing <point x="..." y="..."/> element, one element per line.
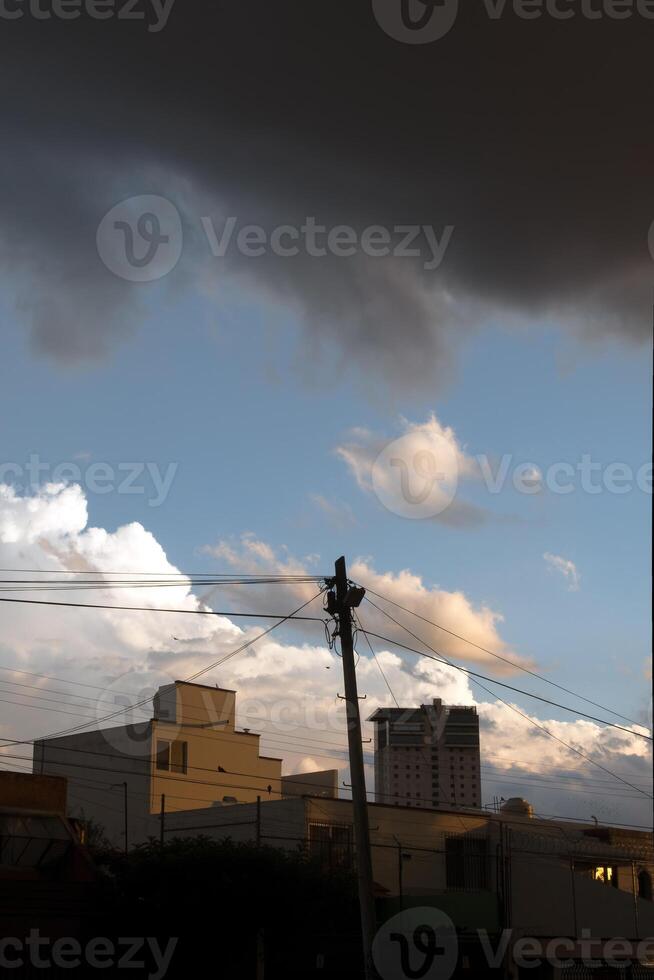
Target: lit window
<point x="604" y="874"/>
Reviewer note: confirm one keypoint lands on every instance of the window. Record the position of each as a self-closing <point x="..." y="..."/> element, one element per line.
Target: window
<point x="466" y="862"/>
<point x="331" y="845"/>
<point x="172" y="756"/>
<point x="178" y="756"/>
<point x="163" y="755"/>
<point x="645" y="884"/>
<point x="605" y="874"/>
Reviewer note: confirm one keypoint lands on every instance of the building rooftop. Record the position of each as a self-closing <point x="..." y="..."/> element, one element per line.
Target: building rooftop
<point x="382" y="714"/>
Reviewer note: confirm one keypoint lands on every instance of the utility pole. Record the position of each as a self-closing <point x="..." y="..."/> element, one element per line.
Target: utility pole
<point x="258" y="821"/>
<point x="347" y="597"/>
<point x="400" y="876"/>
<point x="162" y="818"/>
<point x="124" y="785"/>
<point x="125" y="801"/>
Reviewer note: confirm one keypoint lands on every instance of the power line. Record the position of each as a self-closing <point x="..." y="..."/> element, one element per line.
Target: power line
<point x="277" y="740"/>
<point x="15" y="585"/>
<point x="504" y="817"/>
<point x="183" y="612"/>
<point x="381" y="669"/>
<point x="506" y="660"/>
<point x="107" y="786"/>
<point x="268" y="734"/>
<point x="286" y="577"/>
<point x="271" y="737"/>
<point x="511" y="706"/>
<point x="491" y="680"/>
<point x="49" y="677"/>
<point x="197" y="674"/>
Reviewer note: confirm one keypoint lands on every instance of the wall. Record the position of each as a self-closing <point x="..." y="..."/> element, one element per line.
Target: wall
<point x="323" y="783"/>
<point x="549" y="900"/>
<point x="421" y="833"/>
<point x="282" y="823"/>
<point x="30" y="792"/>
<point x="247" y="775"/>
<point x="96" y="764"/>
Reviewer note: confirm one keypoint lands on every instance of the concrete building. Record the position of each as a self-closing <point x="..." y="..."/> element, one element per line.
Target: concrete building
<point x="189" y="755"/>
<point x="46" y="876"/>
<point x="503" y="878"/>
<point x="427" y="756"/>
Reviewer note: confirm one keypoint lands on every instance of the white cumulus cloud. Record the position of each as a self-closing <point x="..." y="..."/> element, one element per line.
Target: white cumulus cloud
<point x="81" y="663"/>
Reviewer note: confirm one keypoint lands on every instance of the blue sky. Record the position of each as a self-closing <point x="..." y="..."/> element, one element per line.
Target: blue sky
<point x="253" y="436"/>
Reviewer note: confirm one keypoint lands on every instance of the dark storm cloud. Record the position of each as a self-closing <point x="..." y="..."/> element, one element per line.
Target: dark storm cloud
<point x="533" y="138"/>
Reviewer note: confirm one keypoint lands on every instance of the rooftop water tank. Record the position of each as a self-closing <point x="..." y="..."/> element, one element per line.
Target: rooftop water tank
<point x="517" y="807"/>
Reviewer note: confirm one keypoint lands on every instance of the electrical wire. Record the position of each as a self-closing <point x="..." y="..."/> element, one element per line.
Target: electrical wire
<point x="266" y="733"/>
<point x="280" y="740"/>
<point x="439" y="658"/>
<point x="183" y="612"/>
<point x="511" y="707"/>
<point x="506" y="660"/>
<point x="199" y="673"/>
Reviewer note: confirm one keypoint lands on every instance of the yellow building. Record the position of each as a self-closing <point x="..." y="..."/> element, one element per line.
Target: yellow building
<point x="189" y="755"/>
<point x="193" y="734"/>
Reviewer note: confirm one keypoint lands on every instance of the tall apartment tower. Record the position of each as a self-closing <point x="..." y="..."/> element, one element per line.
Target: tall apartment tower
<point x="427" y="756"/>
